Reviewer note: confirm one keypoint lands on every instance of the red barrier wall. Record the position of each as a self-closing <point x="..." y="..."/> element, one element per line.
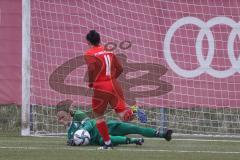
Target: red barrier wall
<point x="10" y="51"/>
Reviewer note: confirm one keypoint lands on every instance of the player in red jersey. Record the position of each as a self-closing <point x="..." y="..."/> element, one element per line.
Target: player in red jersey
<point x="103" y="70"/>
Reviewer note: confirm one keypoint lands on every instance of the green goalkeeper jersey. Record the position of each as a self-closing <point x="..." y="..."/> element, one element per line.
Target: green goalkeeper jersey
<point x="82" y="121"/>
<point x="79" y="116"/>
<point x="115" y="128"/>
<point x="90" y="126"/>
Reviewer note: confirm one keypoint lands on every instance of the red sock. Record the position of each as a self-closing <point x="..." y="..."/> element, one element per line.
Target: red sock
<point x="103" y="130"/>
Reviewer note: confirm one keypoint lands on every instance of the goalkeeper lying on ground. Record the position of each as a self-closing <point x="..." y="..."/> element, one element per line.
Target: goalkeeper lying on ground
<point x="117" y="129"/>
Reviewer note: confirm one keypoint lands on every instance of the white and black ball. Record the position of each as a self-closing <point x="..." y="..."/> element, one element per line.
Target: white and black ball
<point x="81" y="137"/>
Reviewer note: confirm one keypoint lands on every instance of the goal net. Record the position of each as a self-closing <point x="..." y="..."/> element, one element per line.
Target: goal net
<point x="180" y="58"/>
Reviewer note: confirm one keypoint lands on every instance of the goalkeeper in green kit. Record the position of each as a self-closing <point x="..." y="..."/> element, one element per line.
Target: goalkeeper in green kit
<point x="117" y="129"/>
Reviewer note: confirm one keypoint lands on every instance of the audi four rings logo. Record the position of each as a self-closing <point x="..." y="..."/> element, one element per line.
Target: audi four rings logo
<point x="204" y="63"/>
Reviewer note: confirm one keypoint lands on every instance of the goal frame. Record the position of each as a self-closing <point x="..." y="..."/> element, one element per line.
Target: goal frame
<point x="26" y="41"/>
<point x="27" y="118"/>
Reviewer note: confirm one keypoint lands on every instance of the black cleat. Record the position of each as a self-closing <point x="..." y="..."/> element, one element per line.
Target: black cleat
<point x="140" y="141"/>
<point x="168" y="135"/>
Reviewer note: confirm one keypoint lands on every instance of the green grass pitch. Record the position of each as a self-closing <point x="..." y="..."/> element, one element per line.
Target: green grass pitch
<point x="54" y="148"/>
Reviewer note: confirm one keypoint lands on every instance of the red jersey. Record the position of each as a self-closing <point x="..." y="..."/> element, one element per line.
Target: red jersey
<point x="102" y="65"/>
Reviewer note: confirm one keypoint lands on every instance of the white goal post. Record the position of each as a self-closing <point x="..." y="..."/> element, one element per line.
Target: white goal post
<point x="181" y="61"/>
<point x="26" y="40"/>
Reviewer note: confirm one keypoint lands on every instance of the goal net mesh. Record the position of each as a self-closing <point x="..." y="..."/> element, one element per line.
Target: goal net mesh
<point x="180" y="58"/>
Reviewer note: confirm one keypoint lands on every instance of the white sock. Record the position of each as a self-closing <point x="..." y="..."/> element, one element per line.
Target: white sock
<point x="107" y="142"/>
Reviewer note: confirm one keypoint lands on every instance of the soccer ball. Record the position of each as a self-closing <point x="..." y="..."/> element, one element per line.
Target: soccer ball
<point x="81" y="137"/>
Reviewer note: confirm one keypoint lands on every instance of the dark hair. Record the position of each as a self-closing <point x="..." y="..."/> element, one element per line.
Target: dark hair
<point x="64" y="105"/>
<point x="93" y="37"/>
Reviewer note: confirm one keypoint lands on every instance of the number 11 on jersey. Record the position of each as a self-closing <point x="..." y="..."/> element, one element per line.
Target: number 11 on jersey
<point x="108" y="64"/>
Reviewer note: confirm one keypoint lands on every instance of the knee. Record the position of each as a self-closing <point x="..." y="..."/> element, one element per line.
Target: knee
<point x="99" y="118"/>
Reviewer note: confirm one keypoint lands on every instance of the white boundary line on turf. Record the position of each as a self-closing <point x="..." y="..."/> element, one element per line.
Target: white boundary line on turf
<point x="126" y="150"/>
<point x="209" y="140"/>
<point x="197" y="140"/>
<point x="161" y="139"/>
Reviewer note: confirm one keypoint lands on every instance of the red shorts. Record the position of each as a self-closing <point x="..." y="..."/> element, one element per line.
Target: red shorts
<point x="107" y="92"/>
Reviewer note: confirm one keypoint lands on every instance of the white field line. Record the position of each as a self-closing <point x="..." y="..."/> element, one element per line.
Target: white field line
<point x="177" y="139"/>
<point x="237" y="140"/>
<point x="209" y="140"/>
<point x="117" y="149"/>
<point x="199" y="140"/>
